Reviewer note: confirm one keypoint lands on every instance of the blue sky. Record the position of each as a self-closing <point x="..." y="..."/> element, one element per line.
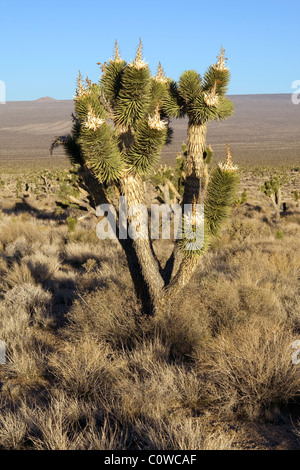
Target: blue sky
<point x="43" y="45"/>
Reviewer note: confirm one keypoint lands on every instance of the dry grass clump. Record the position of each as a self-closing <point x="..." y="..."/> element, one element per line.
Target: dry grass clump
<point x="184" y="327"/>
<point x="42" y="267"/>
<point x="25" y="309"/>
<point x="86" y="369"/>
<point x="62" y="423"/>
<point x="13" y="275"/>
<point x="249" y="371"/>
<point x="184" y="434"/>
<point x="104" y="315"/>
<point x="22" y="307"/>
<point x="257" y="278"/>
<point x="13" y="430"/>
<point x="148" y="387"/>
<point x="29" y="233"/>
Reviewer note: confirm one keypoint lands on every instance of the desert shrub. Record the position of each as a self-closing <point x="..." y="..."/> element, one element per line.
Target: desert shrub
<point x="105" y="315"/>
<point x="148" y="388"/>
<point x="249" y="371"/>
<point x="25" y="309"/>
<point x="242" y="199"/>
<point x="61" y="423"/>
<point x="42" y="267"/>
<point x="31" y="298"/>
<point x="279" y="235"/>
<point x="85" y="369"/>
<point x="184" y="434"/>
<point x="15" y="275"/>
<point x="184" y="327"/>
<point x="18" y="248"/>
<point x="72" y="222"/>
<point x="78" y="253"/>
<point x="239" y="230"/>
<point x="13" y="430"/>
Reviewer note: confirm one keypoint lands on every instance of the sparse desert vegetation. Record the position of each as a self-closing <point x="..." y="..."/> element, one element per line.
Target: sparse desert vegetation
<point x="87" y="366"/>
<point x="149" y="229"/>
<point x="86" y="369"/>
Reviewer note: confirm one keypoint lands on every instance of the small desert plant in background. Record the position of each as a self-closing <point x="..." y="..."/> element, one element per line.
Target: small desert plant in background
<point x="272" y="189"/>
<point x="279" y="234"/>
<point x="166" y="182"/>
<point x="242" y="199"/>
<point x="72" y="222"/>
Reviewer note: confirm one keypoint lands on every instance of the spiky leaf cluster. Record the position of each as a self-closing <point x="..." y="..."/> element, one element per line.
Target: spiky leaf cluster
<point x="220" y="197"/>
<point x="201" y="99"/>
<point x="148" y="141"/>
<point x="119" y="124"/>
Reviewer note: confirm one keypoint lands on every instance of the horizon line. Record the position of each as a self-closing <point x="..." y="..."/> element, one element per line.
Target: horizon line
<point x="70" y="99"/>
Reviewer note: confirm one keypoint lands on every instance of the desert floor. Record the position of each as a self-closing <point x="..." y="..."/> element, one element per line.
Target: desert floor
<point x="86" y="370"/>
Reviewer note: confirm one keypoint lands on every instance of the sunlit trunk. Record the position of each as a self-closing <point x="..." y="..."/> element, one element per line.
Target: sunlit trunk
<point x="147" y="268"/>
<point x="195" y="168"/>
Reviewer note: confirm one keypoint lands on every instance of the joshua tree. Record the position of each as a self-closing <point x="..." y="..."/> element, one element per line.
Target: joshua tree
<point x="272" y="189"/>
<point x="120" y="126"/>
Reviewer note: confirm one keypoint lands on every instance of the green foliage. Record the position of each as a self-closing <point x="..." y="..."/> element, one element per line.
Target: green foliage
<point x="208" y="155"/>
<point x="72" y="222"/>
<point x="100" y="150"/>
<point x="68" y="186"/>
<point x="111" y="80"/>
<point x="271" y="186"/>
<point x="163" y="173"/>
<point x="189" y="87"/>
<point x="134" y="96"/>
<point x="195" y="239"/>
<point x="214" y="76"/>
<point x="279" y="235"/>
<point x="190" y="96"/>
<point x="296" y="195"/>
<point x="220" y="197"/>
<point x="19" y="187"/>
<point x="242" y="199"/>
<point x="72" y="147"/>
<point x="180" y="173"/>
<point x="111" y="130"/>
<point x="173" y="104"/>
<point x="144" y="153"/>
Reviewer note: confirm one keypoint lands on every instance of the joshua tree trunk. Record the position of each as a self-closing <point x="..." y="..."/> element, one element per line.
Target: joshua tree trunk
<point x="195" y="174"/>
<point x="194" y="190"/>
<point x="276" y="201"/>
<point x="132" y="188"/>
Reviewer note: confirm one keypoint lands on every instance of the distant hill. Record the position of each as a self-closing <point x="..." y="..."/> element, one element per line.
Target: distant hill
<point x="45" y="99"/>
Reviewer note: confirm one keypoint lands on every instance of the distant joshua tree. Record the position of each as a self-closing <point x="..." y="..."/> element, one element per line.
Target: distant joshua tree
<point x="120" y="126"/>
<point x="272" y="189"/>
